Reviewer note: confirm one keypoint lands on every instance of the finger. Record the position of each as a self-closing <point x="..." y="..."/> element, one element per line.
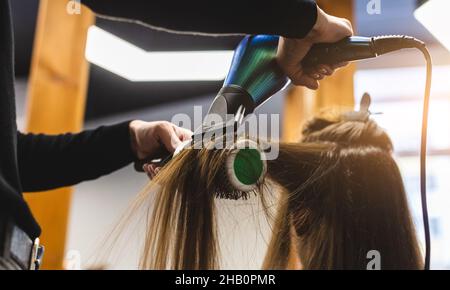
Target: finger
<point x="294" y="73"/>
<point x="152" y="175"/>
<point x="322" y="69"/>
<point x="349" y="25"/>
<point x="307" y="81"/>
<point x="316" y="76"/>
<point x="151" y="170"/>
<point x="148" y="167"/>
<point x="148" y="170"/>
<point x="325" y="69"/>
<point x="154" y="168"/>
<point x="183" y="134"/>
<point x="300" y="78"/>
<point x="341" y="28"/>
<point x="167" y="136"/>
<point x="313" y="85"/>
<point x="339" y="65"/>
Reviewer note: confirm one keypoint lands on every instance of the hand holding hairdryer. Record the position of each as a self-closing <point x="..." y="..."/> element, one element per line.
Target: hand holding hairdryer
<point x="291" y="51"/>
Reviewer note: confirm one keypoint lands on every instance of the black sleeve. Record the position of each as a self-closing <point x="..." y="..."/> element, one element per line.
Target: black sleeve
<point x="289" y="18"/>
<point x="47" y="162"/>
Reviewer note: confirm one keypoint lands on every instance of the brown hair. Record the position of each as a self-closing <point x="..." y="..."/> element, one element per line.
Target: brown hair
<point x="345" y="201"/>
<point x="342" y="196"/>
<point x="181" y="230"/>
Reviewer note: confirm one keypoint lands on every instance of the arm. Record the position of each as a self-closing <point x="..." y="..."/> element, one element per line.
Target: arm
<point x="289" y="18"/>
<point x="47" y="162"/>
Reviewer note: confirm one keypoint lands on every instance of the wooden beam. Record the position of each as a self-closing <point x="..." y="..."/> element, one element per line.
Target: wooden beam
<point x="298" y="107"/>
<point x="56" y="104"/>
<point x="337" y="90"/>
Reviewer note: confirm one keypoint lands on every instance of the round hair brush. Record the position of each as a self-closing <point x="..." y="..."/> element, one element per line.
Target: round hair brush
<point x="245" y="168"/>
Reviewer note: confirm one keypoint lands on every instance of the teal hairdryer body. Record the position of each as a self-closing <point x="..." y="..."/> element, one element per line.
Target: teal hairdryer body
<point x="254" y="76"/>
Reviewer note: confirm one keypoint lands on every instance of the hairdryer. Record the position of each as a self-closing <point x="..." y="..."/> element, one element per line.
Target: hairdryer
<point x="255" y="76"/>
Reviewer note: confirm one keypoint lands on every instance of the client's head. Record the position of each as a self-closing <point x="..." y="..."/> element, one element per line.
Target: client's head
<point x="344" y="197"/>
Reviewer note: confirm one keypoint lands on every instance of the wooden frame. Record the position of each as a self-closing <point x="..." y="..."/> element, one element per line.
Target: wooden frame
<point x="56" y="104"/>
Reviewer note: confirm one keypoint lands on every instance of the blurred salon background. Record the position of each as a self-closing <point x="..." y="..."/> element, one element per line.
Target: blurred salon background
<point x="139" y="73"/>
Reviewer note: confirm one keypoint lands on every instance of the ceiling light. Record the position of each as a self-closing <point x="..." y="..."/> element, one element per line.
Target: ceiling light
<point x="433" y="14"/>
<point x="135" y="64"/>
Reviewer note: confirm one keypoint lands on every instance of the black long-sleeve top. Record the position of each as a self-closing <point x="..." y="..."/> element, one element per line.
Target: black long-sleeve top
<point x="40" y="162"/>
<point x="289" y="18"/>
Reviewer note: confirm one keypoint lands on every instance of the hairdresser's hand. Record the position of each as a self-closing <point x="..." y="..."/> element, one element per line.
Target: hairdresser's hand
<point x="149" y="138"/>
<point x="292" y="51"/>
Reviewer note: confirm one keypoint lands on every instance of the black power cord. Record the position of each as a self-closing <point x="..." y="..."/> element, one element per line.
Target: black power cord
<point x="423" y="154"/>
<point x="385" y="44"/>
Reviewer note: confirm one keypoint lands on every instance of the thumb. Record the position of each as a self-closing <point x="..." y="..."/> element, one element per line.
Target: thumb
<point x="169" y="138"/>
<point x="183" y="134"/>
<point x="337" y="29"/>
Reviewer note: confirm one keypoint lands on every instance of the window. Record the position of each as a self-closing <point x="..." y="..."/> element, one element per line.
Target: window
<point x="397" y="94"/>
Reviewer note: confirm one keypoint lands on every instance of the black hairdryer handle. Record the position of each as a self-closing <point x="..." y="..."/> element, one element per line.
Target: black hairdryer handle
<point x="349" y="49"/>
